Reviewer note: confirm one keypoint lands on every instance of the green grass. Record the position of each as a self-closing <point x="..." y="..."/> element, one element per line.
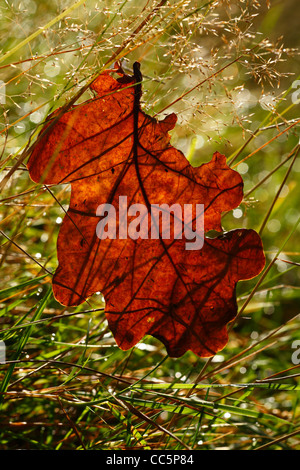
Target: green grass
<point x="65" y="383"/>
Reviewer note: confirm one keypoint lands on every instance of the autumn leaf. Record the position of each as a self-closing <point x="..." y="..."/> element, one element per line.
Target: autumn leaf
<point x="115" y="155"/>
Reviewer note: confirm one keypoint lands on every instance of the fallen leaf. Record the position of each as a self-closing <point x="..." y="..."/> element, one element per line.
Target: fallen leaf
<point x="108" y="149"/>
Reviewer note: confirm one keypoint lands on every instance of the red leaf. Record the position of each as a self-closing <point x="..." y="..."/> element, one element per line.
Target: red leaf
<point x="108" y="148"/>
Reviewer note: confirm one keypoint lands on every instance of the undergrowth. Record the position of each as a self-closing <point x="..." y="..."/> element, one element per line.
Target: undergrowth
<point x="228" y="69"/>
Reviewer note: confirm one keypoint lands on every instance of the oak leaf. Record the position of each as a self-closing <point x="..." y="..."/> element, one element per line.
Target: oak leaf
<point x="108" y="148"/>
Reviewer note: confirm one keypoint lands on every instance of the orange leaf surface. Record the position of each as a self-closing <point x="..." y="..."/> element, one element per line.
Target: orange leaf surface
<point x="111" y="151"/>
